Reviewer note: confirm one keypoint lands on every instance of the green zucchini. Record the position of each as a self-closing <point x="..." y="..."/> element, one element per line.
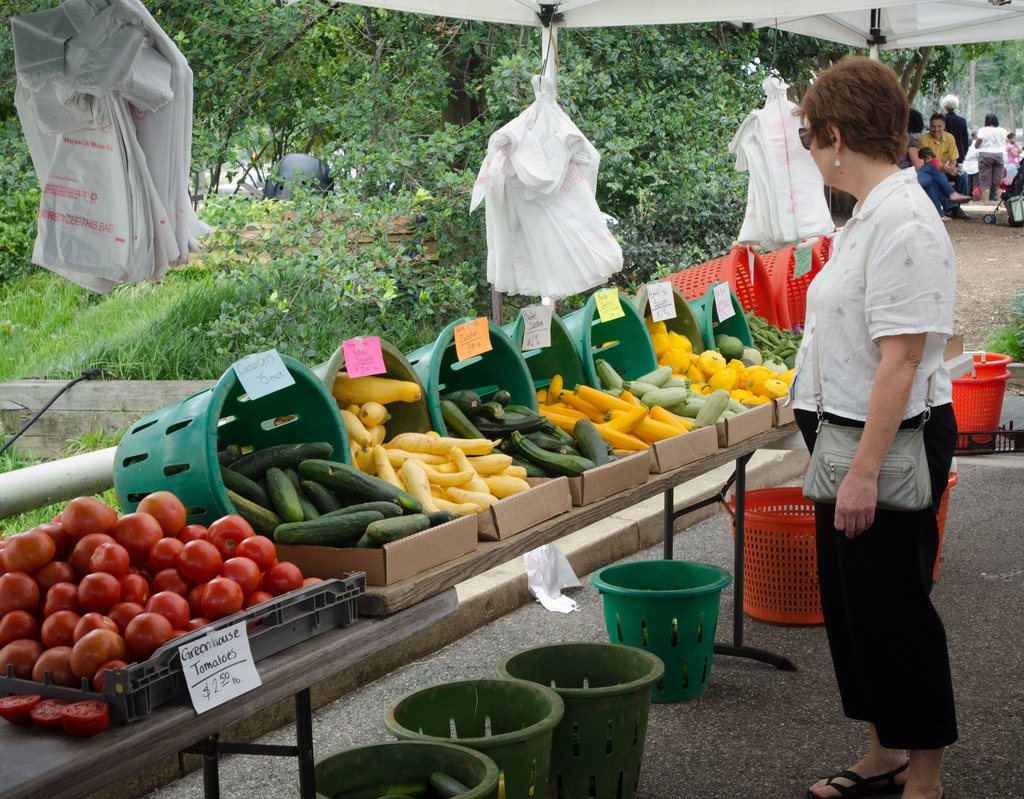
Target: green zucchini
<point x="592" y="446"/>
<point x="532" y="469"/>
<point x="245" y="487"/>
<point x="350" y="482"/>
<point x="332" y="530"/>
<point x="510" y="422"/>
<point x="283" y="456"/>
<point x="283" y="495"/>
<point x="457" y="422"/>
<point x="446" y="786"/>
<point x="665" y="397"/>
<point x="262" y="520"/>
<point x="555" y="431"/>
<point x="465" y="399"/>
<point x="439" y="517"/>
<point x="552" y="444"/>
<point x="309" y="510"/>
<point x="384" y="531"/>
<point x="522" y="410"/>
<point x="386" y="509"/>
<point x="568" y="465"/>
<point x="323" y="499"/>
<point x="502" y="397"/>
<point x="607" y="375"/>
<point x="488" y="410"/>
<point x="711" y="410"/>
<point x="638" y="388"/>
<point x="657" y="377"/>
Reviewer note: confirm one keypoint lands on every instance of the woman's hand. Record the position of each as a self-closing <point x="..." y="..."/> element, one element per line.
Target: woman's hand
<point x="855" y="503"/>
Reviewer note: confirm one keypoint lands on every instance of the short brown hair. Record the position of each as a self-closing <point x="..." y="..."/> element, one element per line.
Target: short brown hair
<point x="864" y="100"/>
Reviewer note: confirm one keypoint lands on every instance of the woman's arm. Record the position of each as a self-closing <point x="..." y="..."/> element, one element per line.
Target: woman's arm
<point x="914" y="158"/>
<point x="855" y="501"/>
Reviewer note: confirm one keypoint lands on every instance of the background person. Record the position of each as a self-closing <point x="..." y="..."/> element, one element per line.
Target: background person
<point x="1012" y="161"/>
<point x="957" y="126"/>
<point x="947" y="154"/>
<point x="935" y="184"/>
<point x="970" y="167"/>
<point x="881" y="310"/>
<point x="991" y="144"/>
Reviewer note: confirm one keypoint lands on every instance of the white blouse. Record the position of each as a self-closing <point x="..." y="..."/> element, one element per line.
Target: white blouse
<point x="993" y="140"/>
<point x="892" y="272"/>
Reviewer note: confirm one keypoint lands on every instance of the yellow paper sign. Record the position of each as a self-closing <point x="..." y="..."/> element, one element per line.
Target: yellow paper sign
<point x="472" y="338"/>
<point x="608" y="305"/>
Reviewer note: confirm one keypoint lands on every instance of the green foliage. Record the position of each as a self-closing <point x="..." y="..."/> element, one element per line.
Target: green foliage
<point x="19" y="202"/>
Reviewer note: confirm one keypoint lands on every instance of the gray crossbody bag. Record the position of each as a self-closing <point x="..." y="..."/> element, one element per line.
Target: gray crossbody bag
<point x="904" y="482"/>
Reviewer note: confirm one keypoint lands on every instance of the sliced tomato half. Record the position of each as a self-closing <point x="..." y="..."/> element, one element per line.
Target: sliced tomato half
<point x="85" y="718"/>
<point x="16" y="709"/>
<point x="47" y="713"/>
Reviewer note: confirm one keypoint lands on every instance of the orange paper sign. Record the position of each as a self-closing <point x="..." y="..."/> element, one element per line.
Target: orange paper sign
<point x="472" y="338"/>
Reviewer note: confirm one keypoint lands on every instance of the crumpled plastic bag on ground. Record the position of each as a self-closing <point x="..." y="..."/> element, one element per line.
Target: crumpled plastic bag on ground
<point x="547" y="573"/>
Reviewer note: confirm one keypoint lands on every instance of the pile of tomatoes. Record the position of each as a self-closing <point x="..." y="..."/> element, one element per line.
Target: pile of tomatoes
<point x="90" y="592"/>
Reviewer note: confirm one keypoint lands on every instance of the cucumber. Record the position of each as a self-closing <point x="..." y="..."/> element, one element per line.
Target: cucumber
<point x="364" y="542"/>
<point x="228" y="456"/>
<point x="457" y="422"/>
<point x="607" y="375"/>
<point x="309" y="510"/>
<point x="350" y="482"/>
<point x="332" y="530"/>
<point x="322" y="498"/>
<point x="245" y="487"/>
<point x="384" y="531"/>
<point x="591" y="444"/>
<point x="262" y="521"/>
<point x="568" y="465"/>
<point x="502" y="397"/>
<point x="439" y="517"/>
<point x="465" y="400"/>
<point x="283" y="456"/>
<point x="283" y="495"/>
<point x="532" y="469"/>
<point x="386" y="509"/>
<point x="488" y="410"/>
<point x="446" y="786"/>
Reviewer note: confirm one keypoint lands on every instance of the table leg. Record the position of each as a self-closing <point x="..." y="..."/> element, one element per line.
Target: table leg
<point x="669" y="519"/>
<point x="304" y="739"/>
<point x="211" y="774"/>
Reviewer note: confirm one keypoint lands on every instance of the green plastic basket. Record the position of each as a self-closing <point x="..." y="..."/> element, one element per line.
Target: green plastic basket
<point x="560" y="358"/>
<point x="685" y="322"/>
<point x="403" y="417"/>
<point x="624" y="342"/>
<point x="508" y="720"/>
<point x="440" y="371"/>
<point x="669" y="607"/>
<point x="175" y="449"/>
<point x="706" y="312"/>
<point x="599" y="743"/>
<point x="381" y="769"/>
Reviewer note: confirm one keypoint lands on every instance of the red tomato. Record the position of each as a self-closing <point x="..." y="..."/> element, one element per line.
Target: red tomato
<point x="18" y="591"/>
<point x="199" y="561"/>
<point x="142" y="571"/>
<point x="57" y="661"/>
<point x="146" y="633"/>
<point x="27" y="552"/>
<point x="167" y="509"/>
<point x="282" y="578"/>
<point x="22" y="655"/>
<point x="222" y="598"/>
<point x="164" y="554"/>
<point x="195" y="599"/>
<point x="56" y="571"/>
<point x="255" y="598"/>
<point x="85" y="718"/>
<point x="18" y="624"/>
<point x="170" y="580"/>
<point x="59" y="628"/>
<point x="109" y="558"/>
<point x="47" y="712"/>
<point x="227" y="533"/>
<point x="178" y="634"/>
<point x="62" y="539"/>
<point x="134" y="588"/>
<point x="16" y="709"/>
<point x="196" y="622"/>
<point x="90" y="622"/>
<point x="86" y="545"/>
<point x="62" y="596"/>
<point x="137" y="532"/>
<point x="85" y="515"/>
<point x="192" y="532"/>
<point x="94" y="649"/>
<point x="99" y="592"/>
<point x="173" y="607"/>
<point x="260" y="549"/>
<point x="311" y="581"/>
<point x="243" y="571"/>
<point x="100" y="677"/>
<point x="124" y="612"/>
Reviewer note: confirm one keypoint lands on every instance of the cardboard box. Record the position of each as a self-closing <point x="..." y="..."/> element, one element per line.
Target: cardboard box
<point x="745" y="425"/>
<point x="547" y="498"/>
<point x="392" y="562"/>
<point x="783" y="415"/>
<point x="620" y="475"/>
<point x="954" y="347"/>
<point x="680" y="450"/>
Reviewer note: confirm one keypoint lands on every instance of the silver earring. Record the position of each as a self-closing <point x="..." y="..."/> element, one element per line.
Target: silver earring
<point x="837" y="159"/>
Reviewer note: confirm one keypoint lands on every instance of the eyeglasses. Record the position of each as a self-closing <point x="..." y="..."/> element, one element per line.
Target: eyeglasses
<point x="805" y="138"/>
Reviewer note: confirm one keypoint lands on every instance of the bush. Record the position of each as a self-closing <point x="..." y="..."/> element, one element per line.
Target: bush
<point x="19" y="202"/>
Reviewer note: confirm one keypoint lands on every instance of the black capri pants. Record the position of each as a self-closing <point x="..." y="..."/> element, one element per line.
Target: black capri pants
<point x="887" y="640"/>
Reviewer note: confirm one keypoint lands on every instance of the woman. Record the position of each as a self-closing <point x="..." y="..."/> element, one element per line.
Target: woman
<point x="991" y="145"/>
<point x="881" y="310"/>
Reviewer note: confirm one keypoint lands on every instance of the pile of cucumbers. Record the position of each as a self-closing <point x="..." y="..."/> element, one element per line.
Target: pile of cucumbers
<point x="292" y="494"/>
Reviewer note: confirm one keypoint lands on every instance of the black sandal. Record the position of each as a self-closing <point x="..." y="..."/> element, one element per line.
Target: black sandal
<point x="863" y="786"/>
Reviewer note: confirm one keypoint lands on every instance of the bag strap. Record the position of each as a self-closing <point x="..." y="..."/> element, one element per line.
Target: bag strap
<point x="929" y="399"/>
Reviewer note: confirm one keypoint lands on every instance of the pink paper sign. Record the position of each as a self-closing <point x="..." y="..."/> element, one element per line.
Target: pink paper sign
<point x="363" y="356"/>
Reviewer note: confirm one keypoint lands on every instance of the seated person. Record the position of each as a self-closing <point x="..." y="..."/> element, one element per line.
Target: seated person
<point x="936" y="184"/>
<point x="927" y="154"/>
<point x="945" y="148"/>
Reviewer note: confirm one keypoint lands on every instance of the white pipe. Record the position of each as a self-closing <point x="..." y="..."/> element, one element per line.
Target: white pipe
<point x="56" y="481"/>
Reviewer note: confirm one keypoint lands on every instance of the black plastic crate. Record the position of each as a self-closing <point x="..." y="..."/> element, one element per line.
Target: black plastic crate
<point x="272" y="627"/>
<point x="984" y="442"/>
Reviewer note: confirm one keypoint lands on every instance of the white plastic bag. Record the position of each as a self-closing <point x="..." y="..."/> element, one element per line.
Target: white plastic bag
<point x="547" y="573"/>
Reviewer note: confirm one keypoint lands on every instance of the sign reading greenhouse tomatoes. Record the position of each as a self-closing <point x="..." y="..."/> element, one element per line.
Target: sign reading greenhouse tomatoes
<point x="218" y="667"/>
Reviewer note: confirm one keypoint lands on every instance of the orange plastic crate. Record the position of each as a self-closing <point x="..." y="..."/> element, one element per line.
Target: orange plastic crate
<point x="754" y="294"/>
<point x="943" y="507"/>
<point x="978" y="405"/>
<point x="790" y="293"/>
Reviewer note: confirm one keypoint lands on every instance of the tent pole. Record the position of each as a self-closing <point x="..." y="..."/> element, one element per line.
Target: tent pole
<point x="873" y="52"/>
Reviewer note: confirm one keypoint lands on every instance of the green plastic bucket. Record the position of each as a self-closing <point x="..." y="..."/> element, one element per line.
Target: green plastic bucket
<point x="367" y="772"/>
<point x="705" y="310"/>
<point x="175" y="449"/>
<point x="441" y="371"/>
<point x="685" y="322"/>
<point x="624" y="342"/>
<point x="508" y="720"/>
<point x="560" y="358"/>
<point x="599" y="743"/>
<point x="670" y="608"/>
<point x="403" y="417"/>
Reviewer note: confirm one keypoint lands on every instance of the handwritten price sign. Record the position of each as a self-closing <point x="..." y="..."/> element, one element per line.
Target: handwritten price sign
<point x="608" y="305"/>
<point x="262" y="374"/>
<point x="723" y="302"/>
<point x="472" y="338"/>
<point x="801" y="262"/>
<point x="218" y="667"/>
<point x="662" y="303"/>
<point x="363" y="356"/>
<point x="536" y="327"/>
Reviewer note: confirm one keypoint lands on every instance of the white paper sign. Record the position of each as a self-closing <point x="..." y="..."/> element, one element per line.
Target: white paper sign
<point x="536" y="327"/>
<point x="723" y="302"/>
<point x="218" y="667"/>
<point x="263" y="373"/>
<point x="661" y="301"/>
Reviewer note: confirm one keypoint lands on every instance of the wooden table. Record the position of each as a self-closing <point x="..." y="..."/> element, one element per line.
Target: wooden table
<point x="48" y="763"/>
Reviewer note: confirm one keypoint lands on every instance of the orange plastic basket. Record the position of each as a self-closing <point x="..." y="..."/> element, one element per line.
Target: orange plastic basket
<point x="978" y="405"/>
<point x="790" y="293"/>
<point x="754" y="294"/>
<point x="943" y="507"/>
<point x="780" y="565"/>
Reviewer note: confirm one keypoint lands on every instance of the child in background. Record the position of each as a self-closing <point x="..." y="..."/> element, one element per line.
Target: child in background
<point x="927" y="154"/>
<point x="936" y="184"/>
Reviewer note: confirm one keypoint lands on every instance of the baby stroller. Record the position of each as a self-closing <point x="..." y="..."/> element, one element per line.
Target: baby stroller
<point x="1013" y="199"/>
